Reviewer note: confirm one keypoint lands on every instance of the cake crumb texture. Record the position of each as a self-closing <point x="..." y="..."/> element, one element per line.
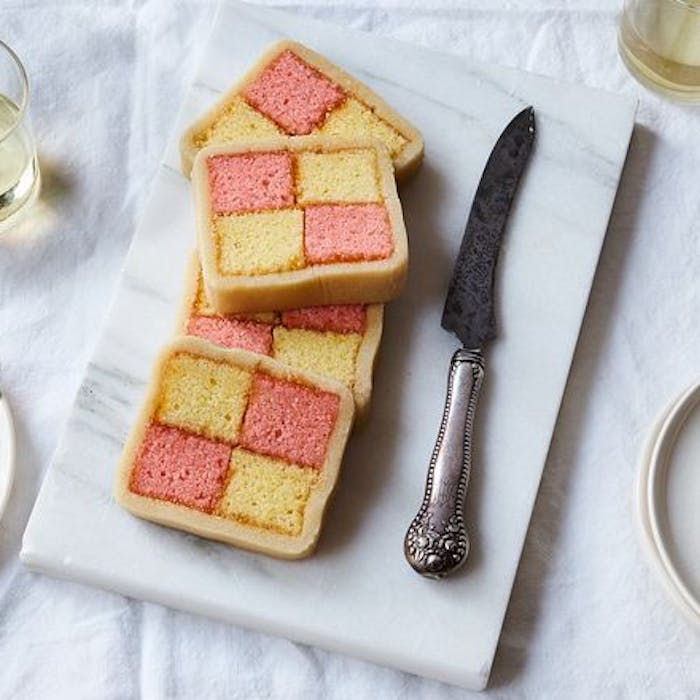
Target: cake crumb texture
<point x="232" y="332"/>
<point x="289" y="421"/>
<point x="326" y="353"/>
<point x="353" y="120"/>
<point x="340" y="318"/>
<point x="250" y="181"/>
<point x="349" y="233"/>
<point x="237" y="121"/>
<point x="178" y="466"/>
<point x="203" y="396"/>
<point x="294" y="95"/>
<point x="267" y="493"/>
<point x="260" y="243"/>
<point x="339" y="176"/>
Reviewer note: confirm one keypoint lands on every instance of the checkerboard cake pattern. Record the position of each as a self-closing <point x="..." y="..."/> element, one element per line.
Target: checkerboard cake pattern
<point x="301" y="239"/>
<point x="288" y="224"/>
<point x="339" y="341"/>
<point x="293" y="91"/>
<point x="237" y="447"/>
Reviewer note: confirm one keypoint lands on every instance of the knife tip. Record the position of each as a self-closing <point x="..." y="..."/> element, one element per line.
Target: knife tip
<point x="530" y="112"/>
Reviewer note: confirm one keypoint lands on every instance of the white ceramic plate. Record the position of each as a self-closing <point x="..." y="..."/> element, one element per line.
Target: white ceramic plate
<point x="7" y="453"/>
<point x="669" y="499"/>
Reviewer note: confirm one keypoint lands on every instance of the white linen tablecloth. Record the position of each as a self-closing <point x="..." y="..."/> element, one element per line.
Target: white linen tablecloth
<point x="587" y="617"/>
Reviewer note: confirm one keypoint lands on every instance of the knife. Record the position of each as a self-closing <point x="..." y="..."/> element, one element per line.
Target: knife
<point x="436" y="542"/>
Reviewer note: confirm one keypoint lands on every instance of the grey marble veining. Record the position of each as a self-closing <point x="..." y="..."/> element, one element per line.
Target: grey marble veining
<point x="357" y="595"/>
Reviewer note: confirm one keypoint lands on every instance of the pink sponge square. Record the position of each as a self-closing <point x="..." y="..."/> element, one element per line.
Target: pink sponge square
<point x="250" y="182"/>
<point x="181" y="467"/>
<point x="339" y="318"/>
<point x="347" y="233"/>
<point x="293" y="94"/>
<point x="232" y="332"/>
<point x="289" y="421"/>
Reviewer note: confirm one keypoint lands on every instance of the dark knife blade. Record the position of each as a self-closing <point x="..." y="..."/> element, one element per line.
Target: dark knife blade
<point x="469" y="306"/>
<point x="437" y="542"/>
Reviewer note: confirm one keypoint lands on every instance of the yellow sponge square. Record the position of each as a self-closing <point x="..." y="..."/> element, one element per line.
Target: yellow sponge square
<point x="203" y="396"/>
<point x="352" y="119"/>
<point x="327" y="353"/>
<point x="343" y="176"/>
<point x="235" y="122"/>
<point x="267" y="493"/>
<point x="261" y="242"/>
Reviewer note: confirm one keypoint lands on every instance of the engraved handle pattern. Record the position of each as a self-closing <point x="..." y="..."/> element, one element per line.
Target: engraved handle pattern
<point x="436" y="542"/>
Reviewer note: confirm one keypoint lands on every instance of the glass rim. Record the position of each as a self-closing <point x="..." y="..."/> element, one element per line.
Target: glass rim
<point x="691" y="5"/>
<point x="22" y="107"/>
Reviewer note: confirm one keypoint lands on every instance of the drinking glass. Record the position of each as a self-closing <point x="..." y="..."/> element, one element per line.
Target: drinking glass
<point x="19" y="171"/>
<point x="659" y="41"/>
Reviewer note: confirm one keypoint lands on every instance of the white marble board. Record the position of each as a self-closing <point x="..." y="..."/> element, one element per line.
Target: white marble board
<point x="357" y="595"/>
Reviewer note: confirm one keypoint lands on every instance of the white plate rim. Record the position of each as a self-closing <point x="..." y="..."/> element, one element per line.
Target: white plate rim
<point x="651" y="479"/>
<point x="7" y="453"/>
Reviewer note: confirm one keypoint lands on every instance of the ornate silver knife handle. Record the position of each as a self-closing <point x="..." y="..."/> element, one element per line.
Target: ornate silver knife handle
<point x="436" y="542"/>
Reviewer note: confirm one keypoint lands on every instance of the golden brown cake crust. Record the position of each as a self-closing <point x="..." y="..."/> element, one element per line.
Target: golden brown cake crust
<point x="365" y="282"/>
<point x="228" y="530"/>
<point x="405" y="163"/>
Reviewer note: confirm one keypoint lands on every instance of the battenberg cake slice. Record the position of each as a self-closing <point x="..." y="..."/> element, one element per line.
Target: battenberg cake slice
<point x="236" y="447"/>
<point x="293" y="91"/>
<point x="308" y="221"/>
<point x="339" y="342"/>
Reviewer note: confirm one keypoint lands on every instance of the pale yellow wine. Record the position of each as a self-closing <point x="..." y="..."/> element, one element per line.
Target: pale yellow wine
<point x="18" y="167"/>
<point x="660" y="42"/>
